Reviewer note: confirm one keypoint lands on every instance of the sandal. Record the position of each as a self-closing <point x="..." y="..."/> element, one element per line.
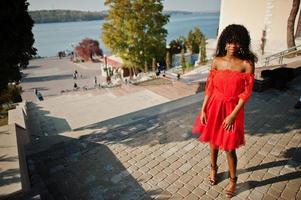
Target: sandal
<point x="213" y="180"/>
<point x="231" y="191"/>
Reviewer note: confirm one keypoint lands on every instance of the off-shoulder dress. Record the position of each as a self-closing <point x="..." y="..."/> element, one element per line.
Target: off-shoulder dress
<point x="224" y="88"/>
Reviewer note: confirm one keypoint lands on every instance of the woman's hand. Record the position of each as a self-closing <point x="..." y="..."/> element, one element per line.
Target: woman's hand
<point x="228" y="122"/>
<point x="203" y="118"/>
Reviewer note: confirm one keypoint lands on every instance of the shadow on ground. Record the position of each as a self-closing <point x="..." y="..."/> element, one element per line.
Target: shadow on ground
<point x="293" y="161"/>
<point x="76" y="169"/>
<point x="9" y="176"/>
<point x="267" y="113"/>
<point x="41" y="123"/>
<point x="46" y="78"/>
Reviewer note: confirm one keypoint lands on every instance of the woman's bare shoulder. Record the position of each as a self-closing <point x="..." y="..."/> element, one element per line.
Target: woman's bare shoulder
<point x="215" y="62"/>
<point x="249" y="67"/>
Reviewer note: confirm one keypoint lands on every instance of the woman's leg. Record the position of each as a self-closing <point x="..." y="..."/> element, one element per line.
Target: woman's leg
<point x="213" y="161"/>
<point x="213" y="155"/>
<point x="232" y="162"/>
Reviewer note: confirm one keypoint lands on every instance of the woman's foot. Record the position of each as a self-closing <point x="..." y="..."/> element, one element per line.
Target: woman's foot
<point x="213" y="175"/>
<point x="231" y="190"/>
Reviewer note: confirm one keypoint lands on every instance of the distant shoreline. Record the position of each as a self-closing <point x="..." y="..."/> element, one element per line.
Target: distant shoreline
<point x="60" y="16"/>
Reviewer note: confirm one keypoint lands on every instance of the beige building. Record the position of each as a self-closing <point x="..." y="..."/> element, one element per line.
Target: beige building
<point x="257" y="16"/>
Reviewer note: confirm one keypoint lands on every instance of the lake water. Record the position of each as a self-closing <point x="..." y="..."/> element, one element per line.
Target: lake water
<point x="53" y="37"/>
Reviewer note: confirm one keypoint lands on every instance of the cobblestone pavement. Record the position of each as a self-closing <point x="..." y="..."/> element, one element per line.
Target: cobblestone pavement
<point x="158" y="157"/>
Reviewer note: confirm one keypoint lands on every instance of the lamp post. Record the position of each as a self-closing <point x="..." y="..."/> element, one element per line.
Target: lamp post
<point x="168" y="57"/>
<point x="106" y="65"/>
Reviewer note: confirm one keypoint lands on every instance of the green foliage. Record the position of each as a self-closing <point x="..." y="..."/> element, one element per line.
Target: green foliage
<point x="177" y="45"/>
<point x="189" y="65"/>
<point x="168" y="59"/>
<point x="183" y="61"/>
<point x="153" y="64"/>
<point x="134" y="30"/>
<point x="16" y="40"/>
<point x="203" y="54"/>
<point x="4" y="113"/>
<point x="12" y="94"/>
<point x="194" y="40"/>
<point x="49" y="16"/>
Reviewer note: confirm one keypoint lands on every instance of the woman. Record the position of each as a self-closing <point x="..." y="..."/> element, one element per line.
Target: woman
<point x="228" y="87"/>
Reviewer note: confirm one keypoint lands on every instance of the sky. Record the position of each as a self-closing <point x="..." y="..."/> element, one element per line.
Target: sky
<point x="98" y="5"/>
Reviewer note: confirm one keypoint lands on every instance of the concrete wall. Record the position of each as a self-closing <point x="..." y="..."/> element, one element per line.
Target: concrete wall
<point x="18" y="130"/>
<point x="257" y="15"/>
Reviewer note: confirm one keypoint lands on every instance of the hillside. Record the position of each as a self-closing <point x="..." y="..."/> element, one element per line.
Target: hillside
<point x="49" y="16"/>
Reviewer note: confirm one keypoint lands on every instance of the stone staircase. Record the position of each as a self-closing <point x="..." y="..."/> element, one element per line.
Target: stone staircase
<point x="119" y="158"/>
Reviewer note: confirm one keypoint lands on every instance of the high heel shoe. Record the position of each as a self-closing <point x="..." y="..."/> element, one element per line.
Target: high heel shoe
<point x="231" y="191"/>
<point x="213" y="179"/>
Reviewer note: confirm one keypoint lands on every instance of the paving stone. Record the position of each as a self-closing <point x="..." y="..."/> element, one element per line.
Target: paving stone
<point x="198" y="192"/>
<point x="172" y="189"/>
<point x="176" y="197"/>
<point x="184" y="192"/>
<point x="144" y="169"/>
<point x="146" y="186"/>
<point x="178" y="172"/>
<point x="145" y="177"/>
<point x="164" y="164"/>
<point x="274" y="192"/>
<point x="164" y="195"/>
<point x="288" y="194"/>
<point x="178" y="184"/>
<point x="168" y="170"/>
<point x="171" y="178"/>
<point x="196" y="180"/>
<point x="192" y="197"/>
<point x="269" y="197"/>
<point x="172" y="159"/>
<point x="175" y="165"/>
<point x="256" y="195"/>
<point x="212" y="193"/>
<point x="204" y="187"/>
<point x="186" y="167"/>
<point x="160" y="176"/>
<point x="189" y="147"/>
<point x="185" y="178"/>
<point x="263" y="189"/>
<point x="152" y="164"/>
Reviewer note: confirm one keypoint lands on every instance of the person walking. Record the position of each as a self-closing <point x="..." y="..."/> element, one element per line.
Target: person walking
<point x="228" y="88"/>
<point x="95" y="81"/>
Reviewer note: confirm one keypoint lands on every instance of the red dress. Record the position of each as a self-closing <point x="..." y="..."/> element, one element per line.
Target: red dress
<point x="224" y="88"/>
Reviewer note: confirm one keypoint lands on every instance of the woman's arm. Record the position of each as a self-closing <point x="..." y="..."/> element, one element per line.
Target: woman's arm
<point x="208" y="91"/>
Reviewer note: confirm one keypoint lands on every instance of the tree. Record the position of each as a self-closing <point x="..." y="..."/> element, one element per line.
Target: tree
<point x="153" y="64"/>
<point x="291" y="24"/>
<point x="202" y="51"/>
<point x="134" y="30"/>
<point x="16" y="40"/>
<point x="183" y="61"/>
<point x="194" y="39"/>
<point x="298" y="31"/>
<point x="87" y="48"/>
<point x="168" y="59"/>
<point x="177" y="45"/>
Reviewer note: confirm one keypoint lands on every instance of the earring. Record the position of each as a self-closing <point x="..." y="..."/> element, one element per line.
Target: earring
<point x="241" y="51"/>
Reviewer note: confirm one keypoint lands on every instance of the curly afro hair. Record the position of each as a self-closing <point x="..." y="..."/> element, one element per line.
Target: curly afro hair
<point x="235" y="33"/>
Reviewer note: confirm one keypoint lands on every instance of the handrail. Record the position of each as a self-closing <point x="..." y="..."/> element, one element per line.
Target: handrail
<point x="281" y="54"/>
<point x="289" y="49"/>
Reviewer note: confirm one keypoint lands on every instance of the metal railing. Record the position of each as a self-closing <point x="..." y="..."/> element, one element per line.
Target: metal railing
<point x="280" y="55"/>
